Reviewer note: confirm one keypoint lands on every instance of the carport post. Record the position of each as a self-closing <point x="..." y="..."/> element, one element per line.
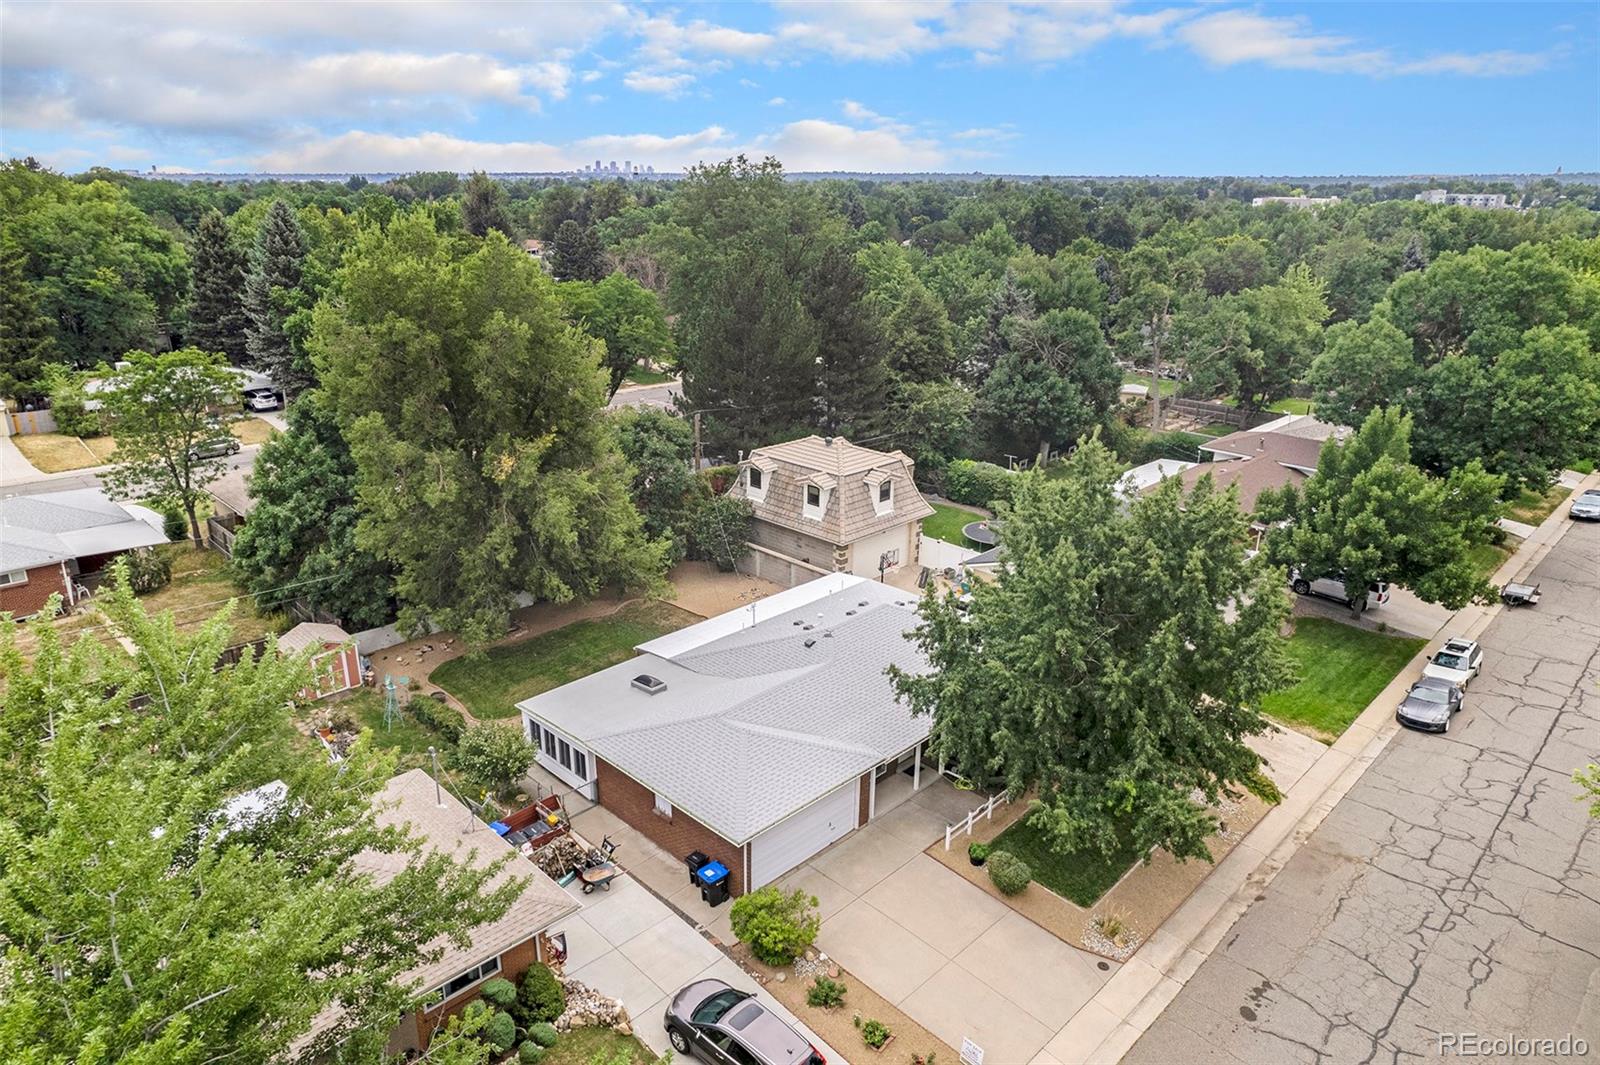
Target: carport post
<point x="916" y="770"/>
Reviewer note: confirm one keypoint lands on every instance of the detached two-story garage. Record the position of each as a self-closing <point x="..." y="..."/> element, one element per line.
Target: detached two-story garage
<point x="757" y="737"/>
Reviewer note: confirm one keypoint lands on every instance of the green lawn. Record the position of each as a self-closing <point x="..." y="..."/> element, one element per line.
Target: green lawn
<point x="1342" y="669"/>
<point x="492" y="683"/>
<point x="1487" y="558"/>
<point x="640" y="376"/>
<point x="584" y="1046"/>
<point x="946" y="524"/>
<point x="407" y="737"/>
<point x="1167" y="387"/>
<point x="1532" y="508"/>
<point x="1081" y="877"/>
<point x="1292" y="406"/>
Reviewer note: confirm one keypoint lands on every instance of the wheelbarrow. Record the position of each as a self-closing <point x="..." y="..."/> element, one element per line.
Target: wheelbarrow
<point x="599" y="876"/>
<point x="1519" y="594"/>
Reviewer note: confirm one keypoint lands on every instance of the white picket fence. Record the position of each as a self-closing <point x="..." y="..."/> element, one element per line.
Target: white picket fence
<point x="964" y="826"/>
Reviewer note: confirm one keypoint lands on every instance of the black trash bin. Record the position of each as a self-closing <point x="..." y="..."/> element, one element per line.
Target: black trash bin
<point x="694" y="860"/>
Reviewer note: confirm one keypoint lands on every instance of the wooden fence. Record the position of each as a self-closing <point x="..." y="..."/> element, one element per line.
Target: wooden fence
<point x="1206" y="411"/>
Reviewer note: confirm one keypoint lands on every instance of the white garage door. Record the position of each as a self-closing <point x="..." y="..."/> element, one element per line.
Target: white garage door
<point x="799" y="836"/>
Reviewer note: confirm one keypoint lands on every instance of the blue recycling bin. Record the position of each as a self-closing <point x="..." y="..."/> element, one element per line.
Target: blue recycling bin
<point x="713" y="879"/>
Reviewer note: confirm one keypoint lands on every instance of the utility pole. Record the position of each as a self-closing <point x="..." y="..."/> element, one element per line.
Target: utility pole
<point x="697" y="453"/>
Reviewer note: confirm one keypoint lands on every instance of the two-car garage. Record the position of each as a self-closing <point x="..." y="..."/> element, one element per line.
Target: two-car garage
<point x="804" y="833"/>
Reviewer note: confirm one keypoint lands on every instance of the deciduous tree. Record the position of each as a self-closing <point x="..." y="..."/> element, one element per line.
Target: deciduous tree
<point x="1116" y="666"/>
<point x="624" y="314"/>
<point x="1056" y="382"/>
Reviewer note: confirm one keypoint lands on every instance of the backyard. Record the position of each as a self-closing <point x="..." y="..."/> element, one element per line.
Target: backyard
<point x="945" y="523"/>
<point x="491" y="684"/>
<point x="1081" y="876"/>
<point x="201" y="585"/>
<point x="407" y="737"/>
<point x="1342" y="669"/>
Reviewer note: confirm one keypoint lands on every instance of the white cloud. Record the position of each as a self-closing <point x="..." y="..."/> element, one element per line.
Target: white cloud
<point x="985" y="133"/>
<point x="670" y="44"/>
<point x="662" y="84"/>
<point x="817" y="144"/>
<point x="589" y="76"/>
<point x="859" y="113"/>
<point x="776" y="101"/>
<point x="863" y="29"/>
<point x="1227" y="38"/>
<point x="359" y="150"/>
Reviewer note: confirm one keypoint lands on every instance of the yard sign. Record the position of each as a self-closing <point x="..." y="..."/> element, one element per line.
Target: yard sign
<point x="971" y="1053"/>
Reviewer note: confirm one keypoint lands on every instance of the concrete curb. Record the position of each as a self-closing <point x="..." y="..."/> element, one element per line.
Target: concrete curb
<point x="1107" y="1026"/>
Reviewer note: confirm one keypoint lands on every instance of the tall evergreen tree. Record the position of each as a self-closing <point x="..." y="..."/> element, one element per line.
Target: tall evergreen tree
<point x="272" y="294"/>
<point x="27" y="341"/>
<point x="483" y="206"/>
<point x="852" y="374"/>
<point x="576" y="254"/>
<point x="217" y="319"/>
<point x="1010" y="300"/>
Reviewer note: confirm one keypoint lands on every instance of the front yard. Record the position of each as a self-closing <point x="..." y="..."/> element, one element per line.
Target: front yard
<point x="1082" y="876"/>
<point x="57" y="452"/>
<point x="491" y="684"/>
<point x="1342" y="669"/>
<point x="588" y="1046"/>
<point x="1531" y="508"/>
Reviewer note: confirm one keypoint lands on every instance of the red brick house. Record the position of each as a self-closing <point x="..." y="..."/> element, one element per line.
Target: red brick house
<point x="758" y="737"/>
<point x="59" y="543"/>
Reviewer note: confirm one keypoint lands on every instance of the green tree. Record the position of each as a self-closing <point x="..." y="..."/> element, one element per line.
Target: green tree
<point x="659" y="448"/>
<point x="474" y="415"/>
<point x="852" y="375"/>
<point x="136" y="929"/>
<point x="916" y="329"/>
<point x="494" y="756"/>
<point x="1371" y="515"/>
<point x="719" y="528"/>
<point x="624" y="314"/>
<point x="932" y="421"/>
<point x="576" y="254"/>
<point x="217" y="319"/>
<point x="1254" y="345"/>
<point x="27" y="340"/>
<point x="300" y="541"/>
<point x="1116" y="666"/>
<point x="1363" y="366"/>
<point x="1056" y="383"/>
<point x="163" y="409"/>
<point x="483" y="206"/>
<point x="272" y="294"/>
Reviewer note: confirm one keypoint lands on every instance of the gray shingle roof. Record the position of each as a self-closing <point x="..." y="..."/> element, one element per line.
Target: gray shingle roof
<point x="753" y="724"/>
<point x="57" y="526"/>
<point x="850" y="471"/>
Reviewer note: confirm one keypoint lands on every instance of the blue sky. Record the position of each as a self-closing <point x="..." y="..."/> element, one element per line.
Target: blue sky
<point x="1082" y="88"/>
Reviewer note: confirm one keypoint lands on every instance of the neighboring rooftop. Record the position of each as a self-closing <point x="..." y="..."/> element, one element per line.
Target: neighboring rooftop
<point x="1253" y="475"/>
<point x="849" y="477"/>
<point x="761" y="711"/>
<point x="313" y="634"/>
<point x="232" y="490"/>
<point x="59" y="526"/>
<point x="1299" y="452"/>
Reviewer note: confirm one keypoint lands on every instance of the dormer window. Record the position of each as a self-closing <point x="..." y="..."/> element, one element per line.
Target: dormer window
<point x="817" y="491"/>
<point x="755" y="478"/>
<point x="886" y="492"/>
<point x="813" y="496"/>
<point x="880" y="491"/>
<point x="756" y="481"/>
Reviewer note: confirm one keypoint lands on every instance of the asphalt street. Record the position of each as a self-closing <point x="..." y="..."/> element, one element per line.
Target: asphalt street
<point x="1456" y="887"/>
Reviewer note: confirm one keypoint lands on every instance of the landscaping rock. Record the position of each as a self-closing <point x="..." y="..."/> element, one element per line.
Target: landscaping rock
<point x="588" y="1008"/>
<point x="833" y="972"/>
<point x="781" y="977"/>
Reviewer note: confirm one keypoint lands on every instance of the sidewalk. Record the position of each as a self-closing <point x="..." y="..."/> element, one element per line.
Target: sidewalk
<point x="14" y="466"/>
<point x="1114" y="1019"/>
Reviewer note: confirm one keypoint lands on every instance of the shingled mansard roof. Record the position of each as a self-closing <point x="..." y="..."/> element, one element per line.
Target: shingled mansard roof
<point x="851" y="474"/>
<point x="753" y="723"/>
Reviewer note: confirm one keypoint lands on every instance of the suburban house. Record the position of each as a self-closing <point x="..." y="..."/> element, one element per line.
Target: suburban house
<point x="335" y="662"/>
<point x="1281" y="452"/>
<point x="825" y="505"/>
<point x="757" y="737"/>
<point x="505" y="948"/>
<point x="60" y="543"/>
<point x="231" y="504"/>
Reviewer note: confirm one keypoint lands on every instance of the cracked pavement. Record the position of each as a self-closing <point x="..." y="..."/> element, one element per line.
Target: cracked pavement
<point x="1455" y="888"/>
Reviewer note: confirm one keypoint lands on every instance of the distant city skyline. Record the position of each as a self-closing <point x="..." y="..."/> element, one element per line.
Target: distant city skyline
<point x="1103" y="88"/>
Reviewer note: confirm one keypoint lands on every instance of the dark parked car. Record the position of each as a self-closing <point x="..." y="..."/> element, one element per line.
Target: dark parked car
<point x="715" y="1022"/>
<point x="1429" y="705"/>
<point x="211" y="449"/>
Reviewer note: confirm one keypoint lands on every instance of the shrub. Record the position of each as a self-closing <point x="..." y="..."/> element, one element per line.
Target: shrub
<point x="541" y="998"/>
<point x="147" y="571"/>
<point x="173" y="524"/>
<point x="500" y="1032"/>
<point x="494" y="756"/>
<point x="777" y="926"/>
<point x="499" y="992"/>
<point x="978" y="852"/>
<point x="530" y="1052"/>
<point x="1008" y="872"/>
<point x="544" y="1034"/>
<point x="978" y="484"/>
<point x="69" y="402"/>
<point x="718" y="528"/>
<point x="875" y="1033"/>
<point x="439" y="717"/>
<point x="825" y="993"/>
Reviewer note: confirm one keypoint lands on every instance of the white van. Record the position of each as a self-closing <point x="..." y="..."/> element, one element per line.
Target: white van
<point x="1332" y="587"/>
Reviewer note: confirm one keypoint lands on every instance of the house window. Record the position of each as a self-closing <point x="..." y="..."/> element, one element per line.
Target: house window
<point x="465" y="980"/>
<point x="16" y="576"/>
<point x="580" y="765"/>
<point x="566" y="754"/>
<point x="663" y="807"/>
<point x="549" y="743"/>
<point x="755" y="478"/>
<point x="886" y="491"/>
<point x="813" y="496"/>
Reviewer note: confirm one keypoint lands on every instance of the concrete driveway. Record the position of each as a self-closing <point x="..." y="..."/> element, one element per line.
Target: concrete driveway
<point x="627" y="944"/>
<point x="1404" y="613"/>
<point x="959" y="962"/>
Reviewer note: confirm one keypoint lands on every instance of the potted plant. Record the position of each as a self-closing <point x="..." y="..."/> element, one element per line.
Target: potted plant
<point x="874" y="1033"/>
<point x="977" y="853"/>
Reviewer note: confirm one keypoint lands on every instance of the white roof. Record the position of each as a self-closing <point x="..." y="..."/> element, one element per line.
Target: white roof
<point x="1141" y="477"/>
<point x="752" y="724"/>
<point x="57" y="526"/>
<point x="311" y="634"/>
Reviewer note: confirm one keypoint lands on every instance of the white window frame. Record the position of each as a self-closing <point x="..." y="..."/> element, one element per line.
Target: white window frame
<point x="817" y="510"/>
<point x="663" y="807"/>
<point x="754" y="492"/>
<point x="437" y="997"/>
<point x="13" y="578"/>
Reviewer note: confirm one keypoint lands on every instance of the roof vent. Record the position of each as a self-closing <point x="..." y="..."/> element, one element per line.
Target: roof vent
<point x="862" y="603"/>
<point x="648" y="684"/>
<point x="828" y="635"/>
<point x="806" y="628"/>
<point x="811" y="643"/>
<point x="849" y="613"/>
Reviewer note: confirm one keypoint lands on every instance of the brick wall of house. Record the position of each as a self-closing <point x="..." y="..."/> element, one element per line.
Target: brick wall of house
<point x="678" y="835"/>
<point x="21" y="600"/>
<point x="816" y="551"/>
<point x="865" y="805"/>
<point x="513" y="964"/>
